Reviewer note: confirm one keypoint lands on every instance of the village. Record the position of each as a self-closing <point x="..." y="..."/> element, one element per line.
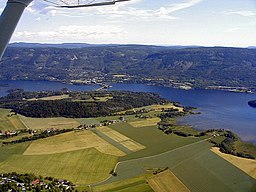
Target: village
<point x="29" y="182"/>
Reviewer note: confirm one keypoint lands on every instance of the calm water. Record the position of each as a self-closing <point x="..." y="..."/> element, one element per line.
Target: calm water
<point x="219" y="109"/>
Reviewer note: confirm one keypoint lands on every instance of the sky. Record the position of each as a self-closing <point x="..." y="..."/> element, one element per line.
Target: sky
<point x="152" y="22"/>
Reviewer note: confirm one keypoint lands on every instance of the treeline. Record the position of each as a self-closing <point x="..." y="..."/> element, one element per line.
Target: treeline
<point x="119" y="101"/>
<point x="168" y="122"/>
<point x="228" y="145"/>
<point x="42" y="135"/>
<point x="20" y="94"/>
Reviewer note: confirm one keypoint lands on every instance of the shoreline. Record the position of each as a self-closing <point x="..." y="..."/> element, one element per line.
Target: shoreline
<point x="106" y="85"/>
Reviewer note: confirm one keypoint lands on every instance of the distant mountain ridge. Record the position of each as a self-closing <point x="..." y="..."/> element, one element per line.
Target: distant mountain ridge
<point x="199" y="66"/>
<point x="82" y="45"/>
<point x="46" y="45"/>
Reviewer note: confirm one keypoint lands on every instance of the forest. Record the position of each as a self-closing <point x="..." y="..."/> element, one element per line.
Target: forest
<point x="78" y="104"/>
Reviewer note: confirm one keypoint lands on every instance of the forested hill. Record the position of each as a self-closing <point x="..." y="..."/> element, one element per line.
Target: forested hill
<point x="200" y="66"/>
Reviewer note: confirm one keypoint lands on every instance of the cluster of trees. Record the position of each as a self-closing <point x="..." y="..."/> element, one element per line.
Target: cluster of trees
<point x="200" y="66"/>
<point x="227" y="146"/>
<point x="168" y="124"/>
<point x="171" y="113"/>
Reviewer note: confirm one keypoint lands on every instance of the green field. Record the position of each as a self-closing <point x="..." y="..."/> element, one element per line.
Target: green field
<point x="153" y="139"/>
<point x="81" y="167"/>
<point x="46" y="123"/>
<point x="9" y="150"/>
<point x="10" y="121"/>
<point x="134" y="184"/>
<point x="88" y="121"/>
<point x="145" y="122"/>
<point x="195" y="165"/>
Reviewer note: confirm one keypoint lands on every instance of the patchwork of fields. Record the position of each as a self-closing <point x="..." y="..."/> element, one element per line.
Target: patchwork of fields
<point x="121" y="139"/>
<point x="72" y="141"/>
<point x="129" y="149"/>
<point x="81" y="166"/>
<point x="166" y="182"/>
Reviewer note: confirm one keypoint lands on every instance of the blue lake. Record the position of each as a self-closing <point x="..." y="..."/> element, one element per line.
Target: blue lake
<point x="218" y="109"/>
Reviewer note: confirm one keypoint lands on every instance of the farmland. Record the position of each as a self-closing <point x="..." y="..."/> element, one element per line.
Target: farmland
<point x="46" y="123"/>
<point x="81" y="166"/>
<point x="10" y="121"/>
<point x="121" y="139"/>
<point x="167" y="182"/>
<point x="155" y="141"/>
<point x="71" y="141"/>
<point x="184" y="162"/>
<point x="135" y="184"/>
<point x="246" y="165"/>
<point x="145" y="122"/>
<point x="120" y="156"/>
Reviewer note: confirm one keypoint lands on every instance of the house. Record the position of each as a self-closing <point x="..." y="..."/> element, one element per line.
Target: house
<point x="35" y="182"/>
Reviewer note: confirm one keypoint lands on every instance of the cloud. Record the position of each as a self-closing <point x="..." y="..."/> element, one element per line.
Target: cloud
<point x="232" y="30"/>
<point x="245" y="13"/>
<point x="38" y="19"/>
<point x="76" y="33"/>
<point x="176" y="7"/>
<point x="125" y="9"/>
<point x="163" y="12"/>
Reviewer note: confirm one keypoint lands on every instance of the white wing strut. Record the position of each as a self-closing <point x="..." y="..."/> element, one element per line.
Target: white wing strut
<point x="9" y="19"/>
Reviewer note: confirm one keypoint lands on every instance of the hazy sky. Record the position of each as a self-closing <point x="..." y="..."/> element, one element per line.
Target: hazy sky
<point x="158" y="22"/>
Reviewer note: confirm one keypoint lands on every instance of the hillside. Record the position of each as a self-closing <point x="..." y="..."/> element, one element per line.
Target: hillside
<point x="198" y="66"/>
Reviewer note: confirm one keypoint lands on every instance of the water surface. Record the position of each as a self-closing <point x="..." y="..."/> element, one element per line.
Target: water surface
<point x="218" y="109"/>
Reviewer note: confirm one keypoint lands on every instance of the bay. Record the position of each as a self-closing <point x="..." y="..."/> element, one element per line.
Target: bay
<point x="219" y="109"/>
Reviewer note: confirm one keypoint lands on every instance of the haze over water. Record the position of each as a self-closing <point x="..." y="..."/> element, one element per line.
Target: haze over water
<point x="218" y="109"/>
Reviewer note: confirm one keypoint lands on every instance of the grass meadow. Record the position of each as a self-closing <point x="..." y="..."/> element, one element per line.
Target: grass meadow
<point x="81" y="167"/>
<point x="10" y="121"/>
<point x="46" y="123"/>
<point x="145" y="122"/>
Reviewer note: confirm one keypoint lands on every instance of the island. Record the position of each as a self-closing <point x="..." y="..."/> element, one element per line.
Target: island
<point x="252" y="103"/>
